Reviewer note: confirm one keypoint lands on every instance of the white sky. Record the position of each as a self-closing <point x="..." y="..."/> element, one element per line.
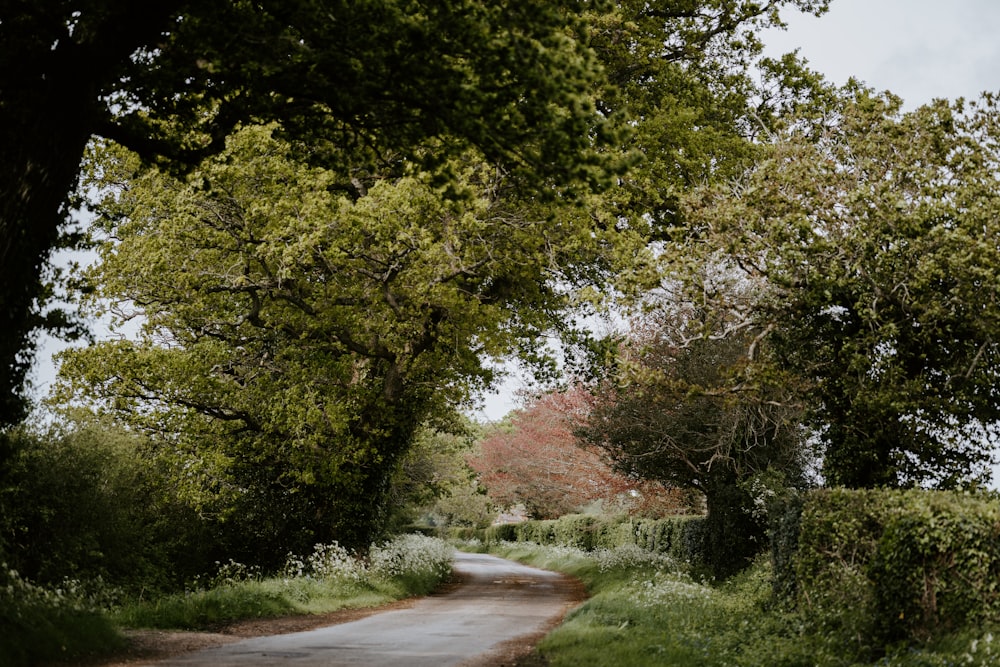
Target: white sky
<point x="918" y="49"/>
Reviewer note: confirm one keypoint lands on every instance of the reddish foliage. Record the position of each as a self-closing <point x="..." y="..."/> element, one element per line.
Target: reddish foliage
<point x="534" y="459"/>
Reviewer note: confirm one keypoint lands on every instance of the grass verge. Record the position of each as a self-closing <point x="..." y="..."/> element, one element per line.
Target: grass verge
<point x="265" y="598"/>
<point x="39" y="625"/>
<point x="330" y="579"/>
<point x="646" y="610"/>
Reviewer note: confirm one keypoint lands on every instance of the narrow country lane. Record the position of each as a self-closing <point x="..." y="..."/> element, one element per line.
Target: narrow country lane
<point x="497" y="602"/>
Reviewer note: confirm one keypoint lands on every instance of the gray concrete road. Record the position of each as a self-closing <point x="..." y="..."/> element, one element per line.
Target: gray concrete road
<point x="497" y="602"/>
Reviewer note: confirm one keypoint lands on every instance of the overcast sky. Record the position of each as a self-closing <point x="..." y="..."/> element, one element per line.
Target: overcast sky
<point x="918" y="49"/>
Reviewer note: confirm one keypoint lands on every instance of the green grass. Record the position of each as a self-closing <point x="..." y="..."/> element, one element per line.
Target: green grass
<point x="644" y="614"/>
<point x="328" y="580"/>
<point x="208" y="609"/>
<point x="45" y="625"/>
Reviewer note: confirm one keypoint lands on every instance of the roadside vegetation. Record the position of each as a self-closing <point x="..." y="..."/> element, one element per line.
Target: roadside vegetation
<point x="314" y="249"/>
<point x="69" y="623"/>
<point x="647" y="610"/>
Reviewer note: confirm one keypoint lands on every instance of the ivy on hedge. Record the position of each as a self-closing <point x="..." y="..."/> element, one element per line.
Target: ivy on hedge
<point x="888" y="565"/>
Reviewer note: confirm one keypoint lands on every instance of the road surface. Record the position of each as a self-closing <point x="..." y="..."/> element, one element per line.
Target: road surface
<point x="497" y="602"/>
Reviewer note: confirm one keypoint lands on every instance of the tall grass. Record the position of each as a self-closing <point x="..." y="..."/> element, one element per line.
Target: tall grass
<point x="68" y="624"/>
<point x="643" y="611"/>
<point x="327" y="580"/>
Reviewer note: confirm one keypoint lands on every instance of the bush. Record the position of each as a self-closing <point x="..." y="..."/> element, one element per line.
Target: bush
<point x="575" y="531"/>
<point x="40" y="624"/>
<point x="785" y="516"/>
<point x="538" y="531"/>
<point x="680" y="538"/>
<point x="423" y="562"/>
<point x="878" y="566"/>
<point x="505" y="532"/>
<point x="936" y="566"/>
<point x="88" y="504"/>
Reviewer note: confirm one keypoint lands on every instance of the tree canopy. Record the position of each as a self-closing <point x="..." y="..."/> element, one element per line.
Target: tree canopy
<point x="533" y="459"/>
<point x="874" y="235"/>
<point x="363" y="81"/>
<point x="300" y="336"/>
<point x="332" y="213"/>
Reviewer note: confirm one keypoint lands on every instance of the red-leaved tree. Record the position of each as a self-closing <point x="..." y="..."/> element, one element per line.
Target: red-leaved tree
<point x="533" y="458"/>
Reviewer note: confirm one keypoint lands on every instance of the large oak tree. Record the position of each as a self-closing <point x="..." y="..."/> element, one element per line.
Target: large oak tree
<point x="295" y="337"/>
<point x="364" y="80"/>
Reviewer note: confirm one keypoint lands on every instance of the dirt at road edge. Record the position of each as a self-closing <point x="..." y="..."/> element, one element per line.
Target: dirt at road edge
<point x="146" y="647"/>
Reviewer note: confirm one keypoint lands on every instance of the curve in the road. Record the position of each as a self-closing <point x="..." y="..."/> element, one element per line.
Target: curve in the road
<point x="498" y="601"/>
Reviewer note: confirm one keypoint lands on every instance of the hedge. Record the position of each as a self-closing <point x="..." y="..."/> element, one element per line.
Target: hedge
<point x="680" y="537"/>
<point x="891" y="565"/>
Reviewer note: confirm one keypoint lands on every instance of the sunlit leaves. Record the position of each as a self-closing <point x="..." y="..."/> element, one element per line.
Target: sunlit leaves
<point x="307" y="332"/>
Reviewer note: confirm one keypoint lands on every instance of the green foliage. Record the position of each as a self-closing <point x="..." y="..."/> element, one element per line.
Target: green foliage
<point x="785" y="521"/>
<point x="353" y="82"/>
<point x="47" y="624"/>
<point x="89" y="504"/>
<point x="575" y="531"/>
<point x="871" y="237"/>
<point x="652" y="613"/>
<point x="682" y="74"/>
<point x="434" y="487"/>
<point x="881" y="567"/>
<point x="683" y="539"/>
<point x="504" y="532"/>
<point x="297" y="337"/>
<point x="329" y="579"/>
<point x="538" y="531"/>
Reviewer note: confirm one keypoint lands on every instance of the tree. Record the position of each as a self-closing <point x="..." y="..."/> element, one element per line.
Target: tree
<point x="876" y="234"/>
<point x="295" y="338"/>
<point x="534" y="459"/>
<point x="691" y="408"/>
<point x="690" y="80"/>
<point x="364" y="82"/>
<point x="434" y="484"/>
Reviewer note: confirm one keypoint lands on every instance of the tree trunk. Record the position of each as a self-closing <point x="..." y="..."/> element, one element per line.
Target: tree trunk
<point x="44" y="136"/>
<point x="733" y="536"/>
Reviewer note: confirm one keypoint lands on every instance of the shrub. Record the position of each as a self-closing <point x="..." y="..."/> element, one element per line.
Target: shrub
<point x="682" y="539"/>
<point x="878" y="566"/>
<point x="41" y="624"/>
<point x="785" y="518"/>
<point x="936" y="566"/>
<point x="538" y="532"/>
<point x="505" y="532"/>
<point x="89" y="504"/>
<point x="330" y="578"/>
<point x="575" y="530"/>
